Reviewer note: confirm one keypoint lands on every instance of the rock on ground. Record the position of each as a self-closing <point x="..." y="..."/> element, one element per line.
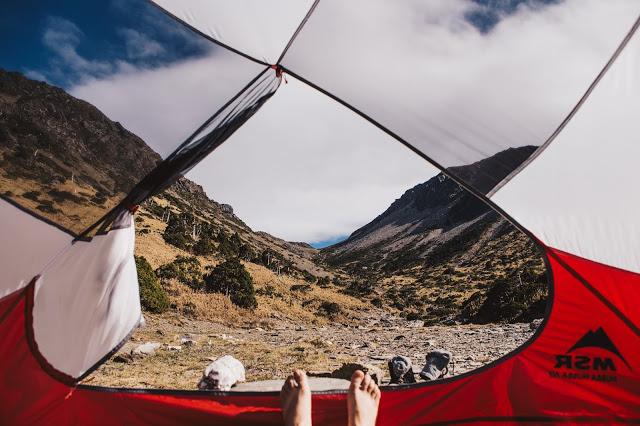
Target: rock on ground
<point x="148" y="348"/>
<point x="272" y="353"/>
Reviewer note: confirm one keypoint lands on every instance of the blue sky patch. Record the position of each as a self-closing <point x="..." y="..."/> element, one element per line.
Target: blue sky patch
<point x="490" y="12"/>
<point x="66" y="42"/>
<point x="329" y="242"/>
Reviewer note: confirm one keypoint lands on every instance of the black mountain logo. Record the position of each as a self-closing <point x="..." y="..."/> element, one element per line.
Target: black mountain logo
<point x="598" y="339"/>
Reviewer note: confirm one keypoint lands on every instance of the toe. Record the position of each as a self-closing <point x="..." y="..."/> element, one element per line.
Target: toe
<point x="377" y="394"/>
<point x="291" y="382"/>
<point x="366" y="382"/>
<point x="371" y="387"/>
<point x="357" y="378"/>
<point x="287" y="383"/>
<point x="301" y="378"/>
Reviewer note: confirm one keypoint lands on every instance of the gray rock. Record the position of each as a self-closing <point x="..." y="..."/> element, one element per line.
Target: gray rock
<point x="146" y="349"/>
<point x="533" y="325"/>
<point x="226" y="208"/>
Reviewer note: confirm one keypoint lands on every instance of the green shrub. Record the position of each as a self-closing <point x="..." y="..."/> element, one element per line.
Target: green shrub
<point x="205" y="245"/>
<point x="230" y="246"/>
<point x="46" y="206"/>
<point x="269" y="291"/>
<point x="245" y="252"/>
<point x="60" y="196"/>
<point x="301" y="287"/>
<point x="309" y="277"/>
<point x="152" y="296"/>
<point x="233" y="280"/>
<point x="178" y="231"/>
<point x="330" y="309"/>
<point x="186" y="269"/>
<point x="277" y="263"/>
<point x="151" y="206"/>
<point x="521" y="296"/>
<point x="31" y="195"/>
<point x="190" y="310"/>
<point x="359" y="288"/>
<point x="413" y="315"/>
<point x="323" y="282"/>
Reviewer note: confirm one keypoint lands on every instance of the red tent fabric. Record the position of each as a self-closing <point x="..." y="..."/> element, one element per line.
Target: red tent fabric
<point x="552" y="378"/>
<point x="68" y="300"/>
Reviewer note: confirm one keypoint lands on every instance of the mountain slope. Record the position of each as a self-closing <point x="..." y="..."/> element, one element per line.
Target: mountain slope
<point x="439" y="205"/>
<point x="77" y="160"/>
<point x="61" y="158"/>
<point x="438" y="250"/>
<point x="436" y="253"/>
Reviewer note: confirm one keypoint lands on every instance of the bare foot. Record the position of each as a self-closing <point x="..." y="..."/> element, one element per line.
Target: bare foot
<point x="363" y="400"/>
<point x="295" y="399"/>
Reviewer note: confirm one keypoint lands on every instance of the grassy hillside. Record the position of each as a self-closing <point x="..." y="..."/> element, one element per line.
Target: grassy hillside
<point x="284" y="275"/>
<point x="436" y="254"/>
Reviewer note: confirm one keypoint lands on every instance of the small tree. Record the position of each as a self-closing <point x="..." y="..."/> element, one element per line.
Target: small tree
<point x="330" y="309"/>
<point x="246" y="252"/>
<point x="204" y="246"/>
<point x="152" y="296"/>
<point x="323" y="282"/>
<point x="178" y="231"/>
<point x="186" y="269"/>
<point x="232" y="279"/>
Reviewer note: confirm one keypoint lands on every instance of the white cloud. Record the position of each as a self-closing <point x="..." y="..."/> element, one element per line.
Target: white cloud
<point x="139" y="45"/>
<point x="63" y="37"/>
<point x="164" y="105"/>
<point x="307" y="169"/>
<point x="419" y="68"/>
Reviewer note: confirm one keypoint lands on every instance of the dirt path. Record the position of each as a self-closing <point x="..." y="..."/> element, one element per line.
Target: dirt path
<point x="272" y="353"/>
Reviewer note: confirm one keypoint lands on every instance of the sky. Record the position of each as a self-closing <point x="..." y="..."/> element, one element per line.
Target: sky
<point x="304" y="168"/>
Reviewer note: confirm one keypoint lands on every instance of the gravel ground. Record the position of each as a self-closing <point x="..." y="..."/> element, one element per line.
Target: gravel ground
<point x="187" y="346"/>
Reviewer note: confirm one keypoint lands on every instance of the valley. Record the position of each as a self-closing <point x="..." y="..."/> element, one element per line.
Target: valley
<point x="438" y="268"/>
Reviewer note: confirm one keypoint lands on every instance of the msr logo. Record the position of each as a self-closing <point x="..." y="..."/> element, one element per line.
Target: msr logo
<point x="580" y="361"/>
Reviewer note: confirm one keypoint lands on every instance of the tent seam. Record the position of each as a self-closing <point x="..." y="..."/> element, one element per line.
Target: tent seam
<point x="630" y="34"/>
<point x="443" y="170"/>
<point x="630" y="324"/>
<point x="189" y="139"/>
<point x="211" y="39"/>
<point x="298" y="30"/>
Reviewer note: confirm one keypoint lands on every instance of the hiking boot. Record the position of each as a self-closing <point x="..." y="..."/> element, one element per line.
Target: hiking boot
<point x="400" y="370"/>
<point x="436" y="365"/>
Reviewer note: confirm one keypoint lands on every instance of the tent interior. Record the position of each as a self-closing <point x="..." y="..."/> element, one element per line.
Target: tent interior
<point x="326" y="185"/>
